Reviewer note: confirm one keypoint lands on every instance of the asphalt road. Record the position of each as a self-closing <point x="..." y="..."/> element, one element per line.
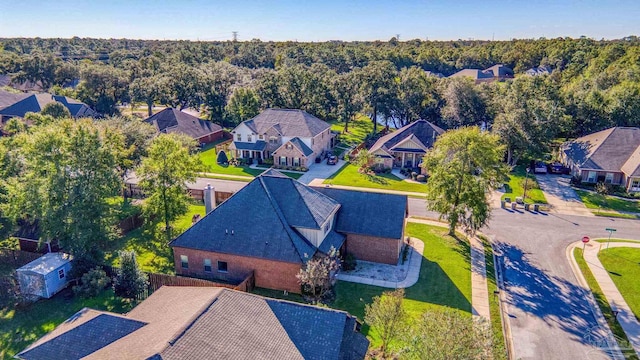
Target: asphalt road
<point x="548" y="313"/>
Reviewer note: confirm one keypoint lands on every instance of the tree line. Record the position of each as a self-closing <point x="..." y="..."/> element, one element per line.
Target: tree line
<point x="593" y="85"/>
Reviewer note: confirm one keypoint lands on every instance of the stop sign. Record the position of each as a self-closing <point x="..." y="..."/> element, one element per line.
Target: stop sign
<point x="585" y="239"/>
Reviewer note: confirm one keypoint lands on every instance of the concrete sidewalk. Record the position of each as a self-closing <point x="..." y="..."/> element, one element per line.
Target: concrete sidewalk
<point x="320" y="183"/>
<point x="625" y="317"/>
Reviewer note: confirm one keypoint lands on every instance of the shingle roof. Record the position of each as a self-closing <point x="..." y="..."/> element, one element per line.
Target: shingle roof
<point x="172" y="120"/>
<point x="288" y="122"/>
<point x="203" y="323"/>
<point x="606" y="150"/>
<point x="632" y="166"/>
<point x="245" y="326"/>
<point x="36" y="102"/>
<point x="473" y="73"/>
<point x="297" y="142"/>
<point x="80" y="341"/>
<point x="9" y="98"/>
<point x="500" y="71"/>
<point x="256" y="146"/>
<point x="369" y="213"/>
<point x="272" y="205"/>
<point x="421" y="130"/>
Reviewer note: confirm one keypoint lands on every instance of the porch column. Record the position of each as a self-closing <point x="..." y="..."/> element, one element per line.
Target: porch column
<point x="402" y="165"/>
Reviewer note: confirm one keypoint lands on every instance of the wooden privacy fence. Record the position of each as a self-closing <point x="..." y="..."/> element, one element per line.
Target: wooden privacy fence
<point x="16" y="258"/>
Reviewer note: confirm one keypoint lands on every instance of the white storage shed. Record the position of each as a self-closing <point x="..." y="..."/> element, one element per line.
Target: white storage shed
<point x="46" y="275"/>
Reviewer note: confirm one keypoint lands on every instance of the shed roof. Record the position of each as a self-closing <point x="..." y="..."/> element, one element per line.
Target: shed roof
<point x="47" y="263"/>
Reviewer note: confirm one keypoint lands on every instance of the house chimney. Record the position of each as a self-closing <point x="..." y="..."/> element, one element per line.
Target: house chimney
<point x="209" y="198"/>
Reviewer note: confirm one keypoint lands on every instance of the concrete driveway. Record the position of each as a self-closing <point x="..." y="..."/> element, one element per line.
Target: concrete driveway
<point x="320" y="171"/>
<point x="562" y="198"/>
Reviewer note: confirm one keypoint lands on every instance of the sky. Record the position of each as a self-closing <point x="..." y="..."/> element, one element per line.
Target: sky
<point x="281" y="20"/>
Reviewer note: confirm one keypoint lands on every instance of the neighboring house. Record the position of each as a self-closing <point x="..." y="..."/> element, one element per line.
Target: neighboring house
<point x="611" y="156"/>
<point x="495" y="73"/>
<point x="405" y="147"/>
<point x="172" y="120"/>
<point x="18" y="105"/>
<point x="538" y="71"/>
<point x="26" y="86"/>
<point x="291" y="137"/>
<point x="205" y="323"/>
<point x="46" y="275"/>
<point x="275" y="225"/>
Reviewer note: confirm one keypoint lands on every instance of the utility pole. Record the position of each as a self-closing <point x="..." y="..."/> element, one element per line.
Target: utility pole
<point x="235" y="36"/>
<point x="398" y="37"/>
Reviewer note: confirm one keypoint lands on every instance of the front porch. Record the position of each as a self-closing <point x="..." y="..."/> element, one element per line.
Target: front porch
<point x="245" y="150"/>
<point x="407" y="159"/>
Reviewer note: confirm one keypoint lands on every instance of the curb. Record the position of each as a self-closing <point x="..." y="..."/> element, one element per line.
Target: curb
<point x="506" y="325"/>
<point x="595" y="309"/>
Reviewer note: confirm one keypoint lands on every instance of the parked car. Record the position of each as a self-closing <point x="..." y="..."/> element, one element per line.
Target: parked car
<point x="540" y="168"/>
<point x="556" y="168"/>
<point x="332" y="160"/>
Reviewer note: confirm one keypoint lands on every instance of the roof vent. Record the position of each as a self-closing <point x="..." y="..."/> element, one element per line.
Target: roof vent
<point x="226" y="231"/>
<point x="232" y="232"/>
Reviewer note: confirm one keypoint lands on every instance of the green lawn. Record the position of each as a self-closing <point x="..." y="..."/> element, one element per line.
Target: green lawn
<point x="445" y="279"/>
<point x="149" y="243"/>
<point x="499" y="349"/>
<point x="348" y="175"/>
<point x="358" y="130"/>
<point x="20" y="327"/>
<point x="601" y="300"/>
<point x="209" y="160"/>
<point x="515" y="187"/>
<point x="604" y="202"/>
<point x="622" y="265"/>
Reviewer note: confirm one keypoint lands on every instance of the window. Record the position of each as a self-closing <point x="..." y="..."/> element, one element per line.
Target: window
<point x="249" y="138"/>
<point x="207" y="265"/>
<point x="326" y="227"/>
<point x="312" y="141"/>
<point x="283" y="161"/>
<point x="184" y="261"/>
<point x="273" y="139"/>
<point x="239" y="137"/>
<point x="608" y="178"/>
<point x="260" y="137"/>
<point x="296" y="161"/>
<point x="222" y="266"/>
<point x="635" y="185"/>
<point x="61" y="274"/>
<point x="288" y="146"/>
<point x="592" y="177"/>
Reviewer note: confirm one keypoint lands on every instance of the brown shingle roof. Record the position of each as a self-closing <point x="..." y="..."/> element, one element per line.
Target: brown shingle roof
<point x="172" y="120"/>
<point x="606" y="150"/>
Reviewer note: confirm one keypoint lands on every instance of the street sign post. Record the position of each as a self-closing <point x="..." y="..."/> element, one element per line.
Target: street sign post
<point x="585" y="240"/>
<point x="611" y="231"/>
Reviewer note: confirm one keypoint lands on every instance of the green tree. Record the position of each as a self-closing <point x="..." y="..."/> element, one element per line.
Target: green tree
<point x="216" y="88"/>
<point x="163" y="173"/>
<point x="56" y="110"/>
<point x="387" y="316"/>
<point x="14" y="126"/>
<point x="363" y="159"/>
<point x="349" y="102"/>
<point x="129" y="281"/>
<point x="465" y="104"/>
<point x="66" y="176"/>
<point x="243" y="105"/>
<point x="447" y="334"/>
<point x="137" y="136"/>
<point x="148" y="90"/>
<point x="377" y="88"/>
<point x="463" y="166"/>
<point x="316" y="275"/>
<point x="103" y="87"/>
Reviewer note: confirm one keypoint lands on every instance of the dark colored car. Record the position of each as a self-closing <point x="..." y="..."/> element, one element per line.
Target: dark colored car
<point x="332" y="160"/>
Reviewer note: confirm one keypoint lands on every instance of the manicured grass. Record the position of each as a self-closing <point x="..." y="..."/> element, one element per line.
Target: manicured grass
<point x="615" y="215"/>
<point x="358" y="130"/>
<point x="499" y="350"/>
<point x="209" y="160"/>
<point x="445" y="279"/>
<point x="622" y="265"/>
<point x="515" y="187"/>
<point x="19" y="327"/>
<point x="602" y="302"/>
<point x="604" y="241"/>
<point x="150" y="244"/>
<point x="605" y="202"/>
<point x="348" y="175"/>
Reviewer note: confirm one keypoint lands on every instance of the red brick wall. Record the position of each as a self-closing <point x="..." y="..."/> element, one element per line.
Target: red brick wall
<point x="268" y="273"/>
<point x="376" y="249"/>
<point x="211" y="137"/>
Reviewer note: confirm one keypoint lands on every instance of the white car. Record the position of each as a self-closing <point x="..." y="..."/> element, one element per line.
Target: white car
<point x="541" y="168"/>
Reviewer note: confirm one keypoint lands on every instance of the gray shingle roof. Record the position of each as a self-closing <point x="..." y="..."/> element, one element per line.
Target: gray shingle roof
<point x="606" y="150"/>
<point x="300" y="145"/>
<point x="256" y="146"/>
<point x="245" y="326"/>
<point x="288" y="122"/>
<point x="261" y="216"/>
<point x="84" y="339"/>
<point x="422" y="130"/>
<point x="36" y="102"/>
<point x="369" y="213"/>
<point x="172" y="120"/>
<point x="333" y="240"/>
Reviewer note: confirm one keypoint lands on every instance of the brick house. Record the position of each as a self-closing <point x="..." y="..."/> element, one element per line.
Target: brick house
<point x="205" y="323"/>
<point x="405" y="147"/>
<point x="172" y="120"/>
<point x="611" y="156"/>
<point x="275" y="225"/>
<point x="290" y="137"/>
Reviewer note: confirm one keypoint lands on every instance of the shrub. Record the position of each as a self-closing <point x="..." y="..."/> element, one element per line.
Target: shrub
<point x="349" y="262"/>
<point x="304" y="169"/>
<point x="92" y="283"/>
<point x="267" y="161"/>
<point x="603" y="189"/>
<point x="130" y="281"/>
<point x="222" y="157"/>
